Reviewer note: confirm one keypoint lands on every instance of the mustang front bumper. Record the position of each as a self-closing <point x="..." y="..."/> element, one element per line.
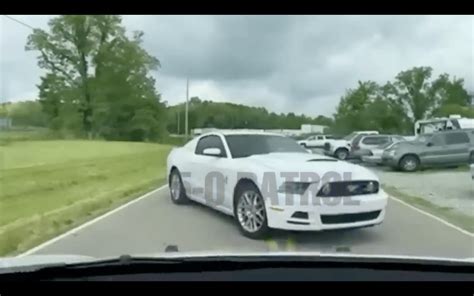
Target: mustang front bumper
<point x="326" y="213"/>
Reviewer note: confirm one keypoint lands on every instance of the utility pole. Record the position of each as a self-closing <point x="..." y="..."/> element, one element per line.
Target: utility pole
<point x="178" y="117"/>
<point x="186" y="112"/>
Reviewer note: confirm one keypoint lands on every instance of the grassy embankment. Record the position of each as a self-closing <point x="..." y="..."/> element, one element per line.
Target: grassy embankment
<point x="48" y="187"/>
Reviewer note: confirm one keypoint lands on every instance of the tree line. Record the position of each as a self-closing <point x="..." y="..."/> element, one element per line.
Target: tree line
<point x="395" y="106"/>
<point x="208" y="114"/>
<point x="98" y="84"/>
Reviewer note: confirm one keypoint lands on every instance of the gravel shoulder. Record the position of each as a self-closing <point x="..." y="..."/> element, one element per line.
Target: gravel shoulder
<point x="452" y="189"/>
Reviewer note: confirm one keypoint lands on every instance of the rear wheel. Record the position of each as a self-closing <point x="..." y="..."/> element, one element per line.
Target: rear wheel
<point x="342" y="153"/>
<point x="409" y="163"/>
<point x="177" y="191"/>
<point x="249" y="212"/>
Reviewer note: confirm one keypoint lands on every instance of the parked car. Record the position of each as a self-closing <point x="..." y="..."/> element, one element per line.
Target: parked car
<point x="341" y="148"/>
<point x="375" y="154"/>
<point x="363" y="144"/>
<point x="243" y="162"/>
<point x="471" y="162"/>
<point x="316" y="141"/>
<point x="443" y="148"/>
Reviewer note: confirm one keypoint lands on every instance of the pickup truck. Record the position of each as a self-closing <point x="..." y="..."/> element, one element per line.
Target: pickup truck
<point x="316" y="141"/>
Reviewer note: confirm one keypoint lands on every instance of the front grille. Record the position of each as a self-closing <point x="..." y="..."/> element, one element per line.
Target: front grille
<point x="349" y="188"/>
<point x="349" y="218"/>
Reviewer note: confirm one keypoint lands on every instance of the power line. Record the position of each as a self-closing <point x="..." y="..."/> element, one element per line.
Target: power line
<point x="20" y="22"/>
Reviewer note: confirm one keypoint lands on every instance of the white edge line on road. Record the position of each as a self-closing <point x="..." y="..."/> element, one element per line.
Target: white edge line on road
<point x="433" y="217"/>
<point x="69" y="232"/>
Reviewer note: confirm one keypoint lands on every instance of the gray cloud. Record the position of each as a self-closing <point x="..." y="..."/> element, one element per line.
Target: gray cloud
<point x="286" y="63"/>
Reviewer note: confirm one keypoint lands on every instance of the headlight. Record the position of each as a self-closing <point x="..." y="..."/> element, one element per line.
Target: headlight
<point x="294" y="187"/>
<point x="372" y="187"/>
<point x="326" y="189"/>
<point x="391" y="152"/>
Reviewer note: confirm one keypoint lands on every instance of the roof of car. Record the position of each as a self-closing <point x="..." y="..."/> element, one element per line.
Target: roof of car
<point x="466" y="130"/>
<point x="241" y="132"/>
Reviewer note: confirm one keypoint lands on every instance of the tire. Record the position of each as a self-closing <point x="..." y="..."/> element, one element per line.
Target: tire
<point x="409" y="163"/>
<point x="341" y="153"/>
<point x="471" y="158"/>
<point x="178" y="193"/>
<point x="250" y="191"/>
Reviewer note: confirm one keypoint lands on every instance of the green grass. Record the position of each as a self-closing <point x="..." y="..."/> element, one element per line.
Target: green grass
<point x="48" y="187"/>
<point x="459" y="219"/>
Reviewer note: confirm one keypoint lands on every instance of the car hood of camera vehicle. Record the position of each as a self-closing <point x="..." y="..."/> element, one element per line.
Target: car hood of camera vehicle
<point x="7" y="263"/>
<point x="30" y="260"/>
<point x="306" y="162"/>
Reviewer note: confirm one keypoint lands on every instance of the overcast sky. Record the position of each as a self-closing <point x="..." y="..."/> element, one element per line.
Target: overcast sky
<point x="285" y="63"/>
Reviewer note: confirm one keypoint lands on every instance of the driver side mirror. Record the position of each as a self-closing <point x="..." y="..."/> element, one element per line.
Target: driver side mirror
<point x="212" y="152"/>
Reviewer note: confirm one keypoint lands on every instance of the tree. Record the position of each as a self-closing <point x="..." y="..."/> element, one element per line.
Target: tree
<point x="395" y="106"/>
<point x="26" y="113"/>
<point x="422" y="98"/>
<point x="351" y="112"/>
<point x="204" y="113"/>
<point x="95" y="70"/>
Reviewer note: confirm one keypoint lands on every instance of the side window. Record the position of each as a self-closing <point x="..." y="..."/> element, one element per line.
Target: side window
<point x="456" y="138"/>
<point x="357" y="139"/>
<point x="383" y="140"/>
<point x="209" y="142"/>
<point x="367" y="140"/>
<point x="375" y="140"/>
<point x="320" y="138"/>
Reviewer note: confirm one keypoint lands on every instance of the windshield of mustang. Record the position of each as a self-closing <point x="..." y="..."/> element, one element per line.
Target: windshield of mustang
<point x="247" y="145"/>
<point x="146" y="134"/>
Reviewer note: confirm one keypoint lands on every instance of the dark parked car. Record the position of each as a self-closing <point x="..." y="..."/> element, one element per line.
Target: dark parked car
<point x="445" y="148"/>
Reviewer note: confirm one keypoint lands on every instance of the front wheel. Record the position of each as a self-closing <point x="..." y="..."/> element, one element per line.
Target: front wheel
<point x="409" y="163"/>
<point x="177" y="191"/>
<point x="342" y="153"/>
<point x="249" y="212"/>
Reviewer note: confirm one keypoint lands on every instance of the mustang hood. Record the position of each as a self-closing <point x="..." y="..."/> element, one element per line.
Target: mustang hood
<point x="305" y="162"/>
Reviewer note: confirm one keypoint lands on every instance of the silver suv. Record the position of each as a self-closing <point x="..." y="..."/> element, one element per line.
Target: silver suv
<point x="446" y="148"/>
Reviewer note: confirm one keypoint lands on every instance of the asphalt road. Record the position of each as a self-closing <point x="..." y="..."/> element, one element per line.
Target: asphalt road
<point x="153" y="223"/>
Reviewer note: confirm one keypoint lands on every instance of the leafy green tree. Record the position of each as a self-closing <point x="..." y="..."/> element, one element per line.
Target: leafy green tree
<point x="27" y="113"/>
<point x="95" y="71"/>
<point x="204" y="113"/>
<point x="395" y="106"/>
<point x="422" y="97"/>
<point x="351" y="113"/>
